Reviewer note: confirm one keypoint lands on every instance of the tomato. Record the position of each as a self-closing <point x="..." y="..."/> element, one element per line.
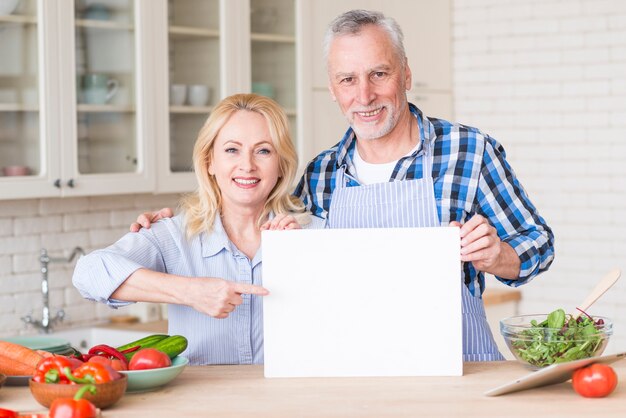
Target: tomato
<point x="114" y="363"/>
<point x="595" y="381"/>
<point x="7" y="413"/>
<point x="149" y="358"/>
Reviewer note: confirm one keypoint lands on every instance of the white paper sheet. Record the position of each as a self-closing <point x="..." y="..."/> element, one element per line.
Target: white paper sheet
<point x="362" y="302"/>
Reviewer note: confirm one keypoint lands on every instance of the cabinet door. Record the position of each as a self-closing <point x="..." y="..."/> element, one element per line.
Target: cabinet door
<point x="106" y="102"/>
<point x="28" y="85"/>
<point x="427" y="28"/>
<point x="273" y="54"/>
<point x="188" y="71"/>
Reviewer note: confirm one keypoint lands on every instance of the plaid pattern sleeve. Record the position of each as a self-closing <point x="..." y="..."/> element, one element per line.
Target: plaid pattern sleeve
<point x="471" y="176"/>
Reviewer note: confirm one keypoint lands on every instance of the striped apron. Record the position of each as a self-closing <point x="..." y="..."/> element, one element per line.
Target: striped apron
<point x="409" y="203"/>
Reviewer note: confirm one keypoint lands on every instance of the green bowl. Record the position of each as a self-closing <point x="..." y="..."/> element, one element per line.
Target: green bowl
<point x="152" y="379"/>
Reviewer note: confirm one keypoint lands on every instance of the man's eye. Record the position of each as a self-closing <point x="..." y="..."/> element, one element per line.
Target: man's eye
<point x="347" y="80"/>
<point x="379" y="74"/>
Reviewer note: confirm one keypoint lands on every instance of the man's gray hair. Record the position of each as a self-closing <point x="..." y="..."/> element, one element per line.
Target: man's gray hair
<point x="353" y="21"/>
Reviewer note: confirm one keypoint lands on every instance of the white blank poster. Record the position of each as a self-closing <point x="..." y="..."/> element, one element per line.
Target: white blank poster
<point x="362" y="302"/>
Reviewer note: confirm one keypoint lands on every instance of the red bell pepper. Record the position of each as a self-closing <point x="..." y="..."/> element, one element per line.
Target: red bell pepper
<point x="74" y="408"/>
<point x="120" y="360"/>
<point x="92" y="373"/>
<point x="7" y="413"/>
<point x="50" y="369"/>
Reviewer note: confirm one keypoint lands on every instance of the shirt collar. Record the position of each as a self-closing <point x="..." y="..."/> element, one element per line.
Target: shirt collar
<point x="345" y="149"/>
<point x="215" y="241"/>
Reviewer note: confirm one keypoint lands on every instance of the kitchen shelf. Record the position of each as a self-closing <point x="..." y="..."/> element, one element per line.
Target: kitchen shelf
<point x="91" y="108"/>
<point x="191" y="109"/>
<point x="18" y="19"/>
<point x="184" y="32"/>
<point x="271" y="37"/>
<point x="103" y="24"/>
<point x="18" y="107"/>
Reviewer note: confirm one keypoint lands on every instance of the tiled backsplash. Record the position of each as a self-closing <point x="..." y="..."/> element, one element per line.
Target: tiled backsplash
<point x="59" y="225"/>
<point x="547" y="78"/>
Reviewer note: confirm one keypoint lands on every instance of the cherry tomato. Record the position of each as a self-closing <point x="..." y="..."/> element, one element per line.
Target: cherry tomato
<point x="149" y="358"/>
<point x="7" y="413"/>
<point x="595" y="381"/>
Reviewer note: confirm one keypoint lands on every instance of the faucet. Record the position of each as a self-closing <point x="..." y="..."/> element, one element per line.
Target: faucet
<point x="45" y="324"/>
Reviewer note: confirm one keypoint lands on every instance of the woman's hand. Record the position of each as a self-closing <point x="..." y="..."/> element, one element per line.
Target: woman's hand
<point x="481" y="245"/>
<point x="218" y="297"/>
<point x="148" y="218"/>
<point x="281" y="222"/>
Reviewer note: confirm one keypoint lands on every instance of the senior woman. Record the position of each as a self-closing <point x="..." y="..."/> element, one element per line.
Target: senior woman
<point x="206" y="262"/>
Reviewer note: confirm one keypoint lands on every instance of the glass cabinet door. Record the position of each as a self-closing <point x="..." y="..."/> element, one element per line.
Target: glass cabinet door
<point x="20" y="139"/>
<point x="193" y="74"/>
<point x="273" y="53"/>
<point x="106" y="117"/>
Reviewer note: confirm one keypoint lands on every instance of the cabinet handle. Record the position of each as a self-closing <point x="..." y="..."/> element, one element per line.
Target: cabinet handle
<point x="57" y="183"/>
<point x="70" y="183"/>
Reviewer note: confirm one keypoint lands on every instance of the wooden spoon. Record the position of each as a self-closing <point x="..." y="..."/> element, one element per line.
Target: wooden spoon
<point x="603" y="285"/>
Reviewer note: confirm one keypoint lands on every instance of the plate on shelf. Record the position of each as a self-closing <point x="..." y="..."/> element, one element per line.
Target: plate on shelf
<point x="152" y="379"/>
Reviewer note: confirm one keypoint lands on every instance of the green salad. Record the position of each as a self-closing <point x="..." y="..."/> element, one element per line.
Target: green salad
<point x="558" y="339"/>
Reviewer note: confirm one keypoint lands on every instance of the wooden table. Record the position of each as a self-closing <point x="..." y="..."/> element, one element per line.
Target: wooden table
<point x="242" y="391"/>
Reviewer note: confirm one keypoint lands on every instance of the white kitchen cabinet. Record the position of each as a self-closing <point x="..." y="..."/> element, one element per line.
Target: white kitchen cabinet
<point x="90" y="99"/>
<point x="241" y="46"/>
<point x="72" y="138"/>
<point x="427" y="39"/>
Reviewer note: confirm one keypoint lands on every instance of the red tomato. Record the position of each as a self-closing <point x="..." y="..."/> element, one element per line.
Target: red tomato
<point x="7" y="413"/>
<point x="114" y="363"/>
<point x="595" y="381"/>
<point x="149" y="358"/>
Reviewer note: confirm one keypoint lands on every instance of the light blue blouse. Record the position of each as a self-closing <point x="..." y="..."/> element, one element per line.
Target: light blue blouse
<point x="237" y="339"/>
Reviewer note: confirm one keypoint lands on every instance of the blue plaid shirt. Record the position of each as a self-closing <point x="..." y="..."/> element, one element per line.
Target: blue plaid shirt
<point x="471" y="176"/>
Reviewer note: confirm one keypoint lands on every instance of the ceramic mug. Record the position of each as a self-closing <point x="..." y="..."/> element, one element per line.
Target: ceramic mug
<point x="198" y="94"/>
<point x="8" y="6"/>
<point x="99" y="88"/>
<point x="178" y="94"/>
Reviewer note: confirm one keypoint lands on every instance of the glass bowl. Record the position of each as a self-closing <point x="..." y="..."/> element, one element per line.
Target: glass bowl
<point x="535" y="344"/>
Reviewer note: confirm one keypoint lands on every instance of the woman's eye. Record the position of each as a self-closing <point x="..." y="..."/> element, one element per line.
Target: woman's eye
<point x="230" y="150"/>
<point x="265" y="151"/>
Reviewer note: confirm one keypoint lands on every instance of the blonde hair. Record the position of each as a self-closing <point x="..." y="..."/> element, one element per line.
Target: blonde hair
<point x="201" y="207"/>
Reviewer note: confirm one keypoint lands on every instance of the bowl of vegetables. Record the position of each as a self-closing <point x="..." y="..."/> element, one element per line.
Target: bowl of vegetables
<point x="541" y="340"/>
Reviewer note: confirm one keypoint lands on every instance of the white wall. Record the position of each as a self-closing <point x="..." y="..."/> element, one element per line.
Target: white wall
<point x="547" y="78"/>
<point x="59" y="225"/>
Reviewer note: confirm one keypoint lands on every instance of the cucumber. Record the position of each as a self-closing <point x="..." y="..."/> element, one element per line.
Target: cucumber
<point x="172" y="346"/>
<point x="144" y="342"/>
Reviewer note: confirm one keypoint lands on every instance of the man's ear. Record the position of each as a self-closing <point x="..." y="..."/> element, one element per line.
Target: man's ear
<point x="408" y="76"/>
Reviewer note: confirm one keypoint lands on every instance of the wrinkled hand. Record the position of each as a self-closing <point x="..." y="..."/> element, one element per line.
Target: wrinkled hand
<point x="281" y="222"/>
<point x="218" y="297"/>
<point x="480" y="243"/>
<point x="148" y="218"/>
